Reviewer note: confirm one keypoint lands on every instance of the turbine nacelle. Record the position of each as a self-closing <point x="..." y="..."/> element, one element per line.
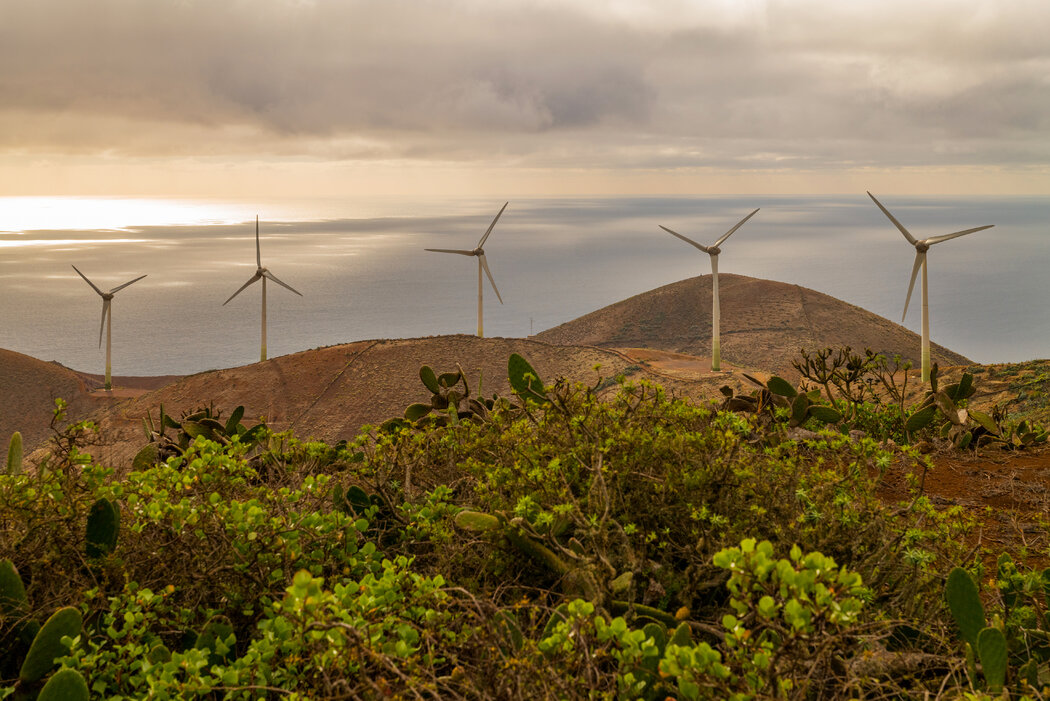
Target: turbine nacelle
<point x="922" y="246"/>
<point x="107" y="303"/>
<point x="264" y="274"/>
<point x="483" y="266"/>
<point x="713" y="250"/>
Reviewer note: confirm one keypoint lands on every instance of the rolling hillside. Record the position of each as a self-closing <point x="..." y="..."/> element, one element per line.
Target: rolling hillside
<point x="764" y="324"/>
<point x="28" y="389"/>
<point x="330" y="393"/>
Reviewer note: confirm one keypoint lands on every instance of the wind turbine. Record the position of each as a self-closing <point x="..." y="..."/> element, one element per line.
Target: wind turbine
<point x="479" y="253"/>
<point x="921" y="246"/>
<point x="107" y="320"/>
<point x="263" y="274"/>
<point x="713" y="250"/>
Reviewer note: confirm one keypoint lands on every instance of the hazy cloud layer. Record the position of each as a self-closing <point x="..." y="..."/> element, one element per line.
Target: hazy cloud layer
<point x="790" y="84"/>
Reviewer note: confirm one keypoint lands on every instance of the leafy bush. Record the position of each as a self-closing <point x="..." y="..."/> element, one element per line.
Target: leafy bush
<point x="559" y="545"/>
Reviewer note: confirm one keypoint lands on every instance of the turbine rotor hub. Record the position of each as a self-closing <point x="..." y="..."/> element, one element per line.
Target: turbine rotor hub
<point x="478" y="251"/>
<point x="107" y="295"/>
<point x="922" y="247"/>
<point x="714" y="250"/>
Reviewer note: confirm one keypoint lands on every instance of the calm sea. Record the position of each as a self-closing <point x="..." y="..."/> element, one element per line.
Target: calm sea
<point x="364" y="274"/>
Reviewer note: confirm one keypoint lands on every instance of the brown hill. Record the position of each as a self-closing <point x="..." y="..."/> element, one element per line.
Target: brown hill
<point x="764" y="324"/>
<point x="28" y="389"/>
<point x="330" y="393"/>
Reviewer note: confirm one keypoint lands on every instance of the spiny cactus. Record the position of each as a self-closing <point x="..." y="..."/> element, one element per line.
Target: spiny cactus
<point x="13" y="601"/>
<point x="964" y="426"/>
<point x="14" y="604"/>
<point x="778" y="393"/>
<point x="477" y="521"/>
<point x="201" y="422"/>
<point x="451" y="401"/>
<point x="991" y="650"/>
<point x="103" y="525"/>
<point x="964" y="601"/>
<point x="65" y="685"/>
<point x="1012" y="638"/>
<point x="47" y="645"/>
<point x="525" y="381"/>
<point x="14" y="454"/>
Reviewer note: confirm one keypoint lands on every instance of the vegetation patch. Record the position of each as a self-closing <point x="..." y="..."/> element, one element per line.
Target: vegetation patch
<point x="568" y="541"/>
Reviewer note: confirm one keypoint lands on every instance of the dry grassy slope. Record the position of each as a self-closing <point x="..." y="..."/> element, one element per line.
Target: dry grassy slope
<point x="764" y="324"/>
<point x="330" y="393"/>
<point x="28" y="389"/>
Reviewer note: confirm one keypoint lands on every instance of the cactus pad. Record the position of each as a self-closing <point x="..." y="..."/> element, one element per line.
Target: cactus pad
<point x="47" y="645"/>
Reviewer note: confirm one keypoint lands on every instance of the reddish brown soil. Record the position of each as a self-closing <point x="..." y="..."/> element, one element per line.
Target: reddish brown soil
<point x="1005" y="491"/>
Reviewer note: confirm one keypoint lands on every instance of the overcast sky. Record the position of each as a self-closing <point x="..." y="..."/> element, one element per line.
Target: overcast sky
<point x="233" y="98"/>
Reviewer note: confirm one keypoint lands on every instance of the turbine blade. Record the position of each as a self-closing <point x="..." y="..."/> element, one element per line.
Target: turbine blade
<point x="684" y="238"/>
<point x="489" y="230"/>
<point x="488" y="272"/>
<point x="920" y="260"/>
<point x="450" y="250"/>
<point x="88" y="281"/>
<point x="957" y="234"/>
<point x="255" y="277"/>
<point x="105" y="313"/>
<point x="273" y="277"/>
<point x="118" y="288"/>
<point x="729" y="233"/>
<point x="258" y="251"/>
<point x="911" y="239"/>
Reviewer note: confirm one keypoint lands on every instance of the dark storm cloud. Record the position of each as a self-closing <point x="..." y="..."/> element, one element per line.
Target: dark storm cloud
<point x="653" y="84"/>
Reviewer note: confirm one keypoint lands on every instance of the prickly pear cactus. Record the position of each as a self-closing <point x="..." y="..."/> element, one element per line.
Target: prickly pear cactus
<point x="524" y="380"/>
<point x="103" y="525"/>
<point x="65" y="685"/>
<point x="14" y="605"/>
<point x="991" y="650"/>
<point x="14" y="454"/>
<point x="965" y="604"/>
<point x="47" y="645"/>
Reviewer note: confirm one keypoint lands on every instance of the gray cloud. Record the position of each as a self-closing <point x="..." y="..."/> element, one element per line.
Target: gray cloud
<point x="773" y="84"/>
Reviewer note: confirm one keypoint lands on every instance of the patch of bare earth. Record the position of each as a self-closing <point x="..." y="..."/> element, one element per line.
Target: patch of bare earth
<point x="1007" y="492"/>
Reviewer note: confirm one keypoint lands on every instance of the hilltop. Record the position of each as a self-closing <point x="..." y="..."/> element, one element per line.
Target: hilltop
<point x="764" y="324"/>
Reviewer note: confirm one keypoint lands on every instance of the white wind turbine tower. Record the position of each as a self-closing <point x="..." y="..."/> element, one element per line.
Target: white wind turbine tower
<point x="107" y="320"/>
<point x="263" y="274"/>
<point x="921" y="246"/>
<point x="713" y="250"/>
<point x="479" y="253"/>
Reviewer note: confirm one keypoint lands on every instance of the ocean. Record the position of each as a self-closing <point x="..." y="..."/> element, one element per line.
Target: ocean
<point x="363" y="273"/>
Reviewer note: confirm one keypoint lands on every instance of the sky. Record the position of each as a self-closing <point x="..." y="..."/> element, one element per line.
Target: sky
<point x="513" y="98"/>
